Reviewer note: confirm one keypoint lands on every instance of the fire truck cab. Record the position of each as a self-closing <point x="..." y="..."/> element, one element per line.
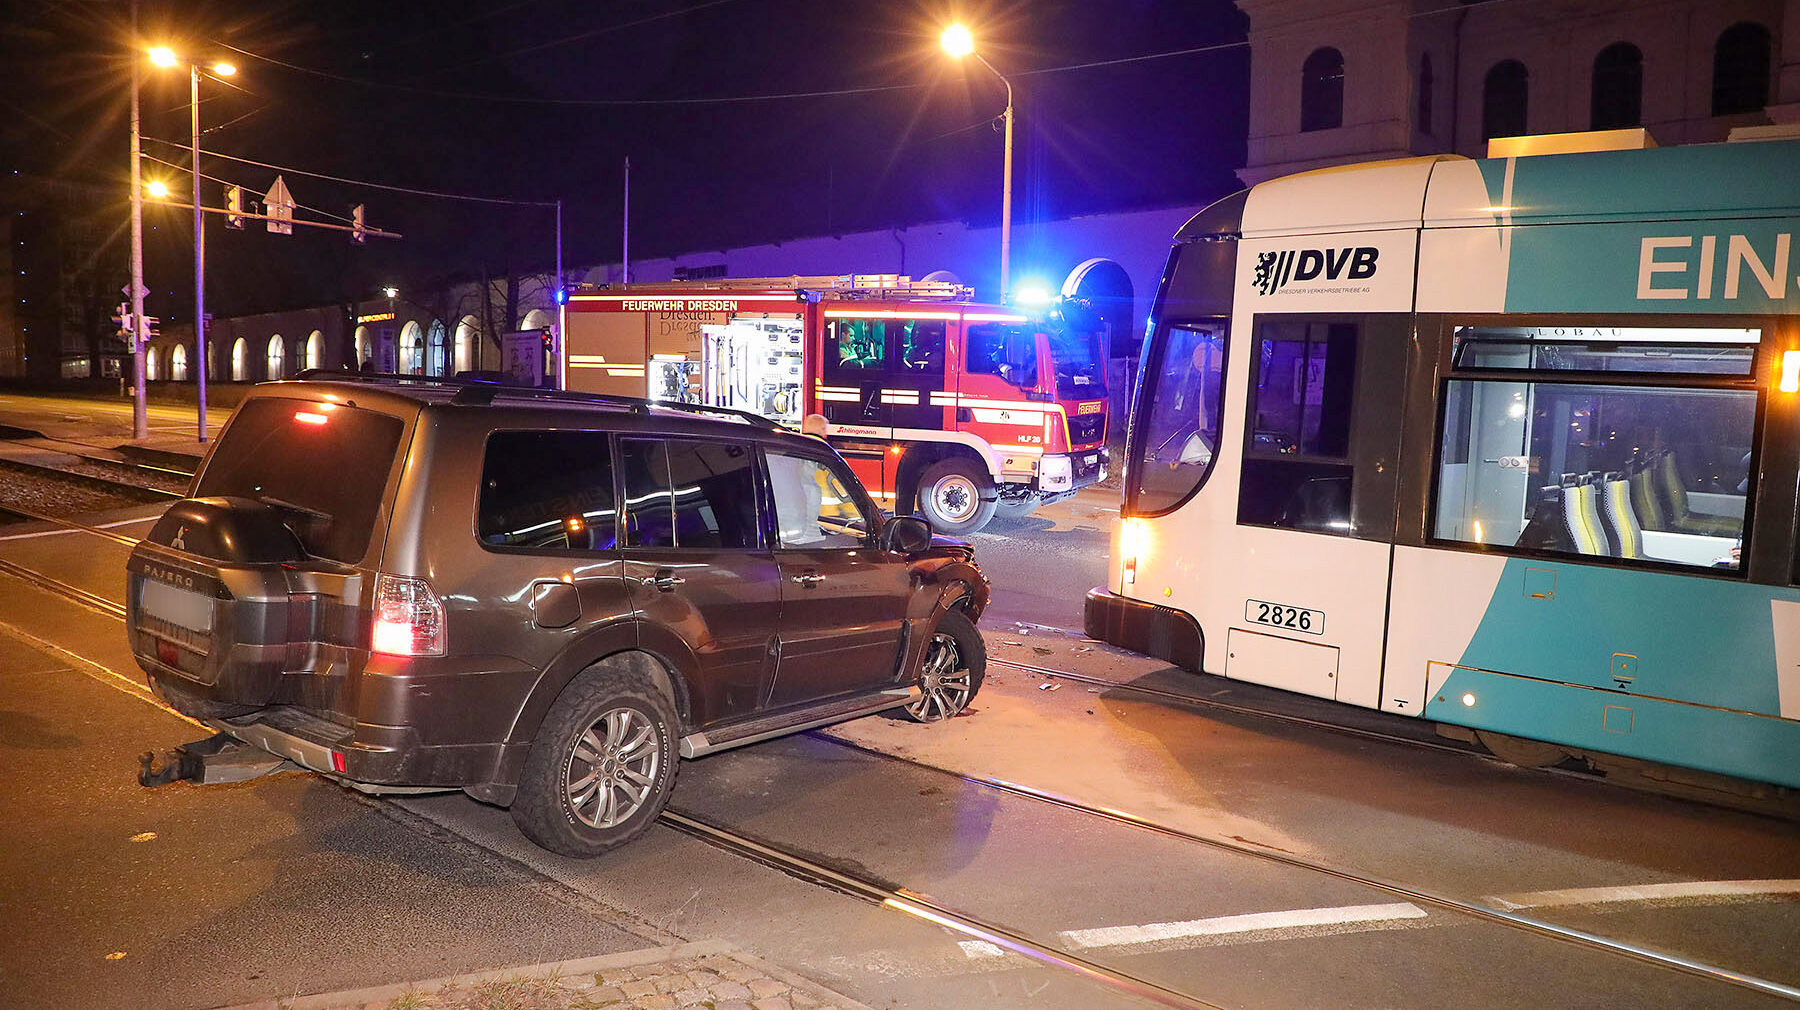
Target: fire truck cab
<point x="954" y="408"/>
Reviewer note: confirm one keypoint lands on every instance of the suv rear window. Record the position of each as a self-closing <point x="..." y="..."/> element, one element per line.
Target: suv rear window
<point x="323" y="465"/>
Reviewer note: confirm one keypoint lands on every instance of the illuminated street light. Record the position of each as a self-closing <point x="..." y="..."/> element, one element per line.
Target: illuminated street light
<point x="163" y="56"/>
<point x="958" y="41"/>
<point x="391" y="291"/>
<point x="224" y="69"/>
<point x="156" y="189"/>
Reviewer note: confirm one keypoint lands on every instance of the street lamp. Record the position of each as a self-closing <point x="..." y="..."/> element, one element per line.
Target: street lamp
<point x="163" y="56"/>
<point x="958" y="41"/>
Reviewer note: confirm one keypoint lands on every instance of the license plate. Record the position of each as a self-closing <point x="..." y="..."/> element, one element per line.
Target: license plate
<point x="187" y="610"/>
<point x="1280" y="615"/>
<point x="1090" y="460"/>
<point x="1091" y="408"/>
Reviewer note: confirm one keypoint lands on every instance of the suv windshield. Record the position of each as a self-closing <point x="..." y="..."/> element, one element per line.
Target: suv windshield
<point x="323" y="466"/>
<point x="1080" y="368"/>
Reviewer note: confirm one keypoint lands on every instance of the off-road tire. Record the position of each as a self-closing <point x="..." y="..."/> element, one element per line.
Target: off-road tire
<point x="964" y="480"/>
<point x="972" y="656"/>
<point x="542" y="808"/>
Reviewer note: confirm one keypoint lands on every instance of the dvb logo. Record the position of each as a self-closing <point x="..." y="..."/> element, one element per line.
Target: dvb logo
<point x="1275" y="270"/>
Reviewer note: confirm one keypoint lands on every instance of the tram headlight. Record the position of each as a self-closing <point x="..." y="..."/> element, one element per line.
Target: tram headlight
<point x="1790" y="371"/>
<point x="1132" y="535"/>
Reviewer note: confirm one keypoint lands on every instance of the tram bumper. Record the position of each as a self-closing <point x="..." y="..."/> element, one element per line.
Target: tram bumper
<point x="1162" y="632"/>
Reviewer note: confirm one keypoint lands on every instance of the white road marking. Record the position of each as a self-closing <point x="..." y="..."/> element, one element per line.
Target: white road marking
<point x="102" y="526"/>
<point x="980" y="948"/>
<point x="1296" y="922"/>
<point x="1691" y="890"/>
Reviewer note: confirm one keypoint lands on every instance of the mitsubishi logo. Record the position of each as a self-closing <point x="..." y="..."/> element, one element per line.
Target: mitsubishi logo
<point x="180" y="541"/>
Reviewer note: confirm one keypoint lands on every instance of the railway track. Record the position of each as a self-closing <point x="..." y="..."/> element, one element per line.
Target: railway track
<point x="863" y="886"/>
<point x="129" y="490"/>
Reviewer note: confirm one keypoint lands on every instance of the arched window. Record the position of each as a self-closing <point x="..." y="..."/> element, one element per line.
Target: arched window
<point x="240" y="368"/>
<point x="1422" y="114"/>
<point x="363" y="349"/>
<point x="1503" y="100"/>
<point x="150" y="374"/>
<point x="277" y="357"/>
<point x="435" y="357"/>
<point x="1741" y="69"/>
<point x="412" y="348"/>
<point x="465" y="344"/>
<point x="178" y="363"/>
<point x="1322" y="90"/>
<point x="315" y="350"/>
<point x="1618" y="100"/>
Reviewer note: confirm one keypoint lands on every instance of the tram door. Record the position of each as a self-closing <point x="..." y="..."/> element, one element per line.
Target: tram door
<point x="1316" y="499"/>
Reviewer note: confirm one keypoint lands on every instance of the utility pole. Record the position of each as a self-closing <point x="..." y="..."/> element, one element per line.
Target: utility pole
<point x="140" y="410"/>
<point x="625" y="244"/>
<point x="199" y="254"/>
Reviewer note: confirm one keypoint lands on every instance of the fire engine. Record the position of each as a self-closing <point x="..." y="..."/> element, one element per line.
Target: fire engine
<point x="939" y="403"/>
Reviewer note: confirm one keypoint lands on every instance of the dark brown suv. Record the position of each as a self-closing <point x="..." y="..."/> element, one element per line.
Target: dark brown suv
<point x="540" y="598"/>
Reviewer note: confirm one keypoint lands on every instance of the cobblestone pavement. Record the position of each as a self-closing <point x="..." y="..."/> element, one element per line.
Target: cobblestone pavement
<point x="694" y="976"/>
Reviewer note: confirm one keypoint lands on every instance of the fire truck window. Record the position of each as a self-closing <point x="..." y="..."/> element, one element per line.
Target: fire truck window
<point x="855" y="347"/>
<point x="922" y="346"/>
<point x="1007" y="351"/>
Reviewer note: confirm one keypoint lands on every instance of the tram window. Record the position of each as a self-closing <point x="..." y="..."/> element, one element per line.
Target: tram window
<point x="1296" y="474"/>
<point x="1639" y="473"/>
<point x="1690" y="350"/>
<point x="1183" y="408"/>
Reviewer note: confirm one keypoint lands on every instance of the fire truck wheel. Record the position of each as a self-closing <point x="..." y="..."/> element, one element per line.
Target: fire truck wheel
<point x="956" y="497"/>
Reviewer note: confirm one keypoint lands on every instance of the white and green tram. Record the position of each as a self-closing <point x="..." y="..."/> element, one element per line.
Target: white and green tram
<point x="1509" y="444"/>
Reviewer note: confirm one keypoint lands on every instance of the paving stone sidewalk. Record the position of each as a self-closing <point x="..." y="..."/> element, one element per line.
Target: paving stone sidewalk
<point x="710" y="975"/>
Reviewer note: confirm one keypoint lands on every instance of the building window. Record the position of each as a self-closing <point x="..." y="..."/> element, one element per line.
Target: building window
<point x="178" y="364"/>
<point x="1740" y="69"/>
<point x="1618" y="100"/>
<point x="315" y="350"/>
<point x="1503" y="100"/>
<point x="239" y="368"/>
<point x="1422" y="114"/>
<point x="277" y="357"/>
<point x="1322" y="91"/>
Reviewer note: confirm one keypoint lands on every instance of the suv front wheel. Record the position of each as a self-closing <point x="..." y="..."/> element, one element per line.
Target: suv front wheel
<point x="602" y="766"/>
<point x="951" y="672"/>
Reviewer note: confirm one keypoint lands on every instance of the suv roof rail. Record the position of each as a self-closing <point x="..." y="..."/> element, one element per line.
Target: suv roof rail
<point x="480" y="392"/>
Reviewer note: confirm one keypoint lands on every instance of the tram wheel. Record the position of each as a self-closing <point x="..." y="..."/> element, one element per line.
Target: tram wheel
<point x="1520" y="751"/>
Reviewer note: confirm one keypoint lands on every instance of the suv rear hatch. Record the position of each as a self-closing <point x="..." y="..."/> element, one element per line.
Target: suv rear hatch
<point x="250" y="594"/>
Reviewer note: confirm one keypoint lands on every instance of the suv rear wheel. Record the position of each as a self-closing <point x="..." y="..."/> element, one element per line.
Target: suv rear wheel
<point x="951" y="672"/>
<point x="602" y="766"/>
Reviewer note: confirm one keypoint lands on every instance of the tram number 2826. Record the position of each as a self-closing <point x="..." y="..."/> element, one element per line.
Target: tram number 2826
<point x="1279" y="615"/>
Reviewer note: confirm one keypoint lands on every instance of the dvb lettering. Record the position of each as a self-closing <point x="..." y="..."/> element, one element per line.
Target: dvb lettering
<point x="1332" y="263"/>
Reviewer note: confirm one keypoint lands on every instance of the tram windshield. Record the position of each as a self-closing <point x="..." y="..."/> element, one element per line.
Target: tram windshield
<point x="1182" y="411"/>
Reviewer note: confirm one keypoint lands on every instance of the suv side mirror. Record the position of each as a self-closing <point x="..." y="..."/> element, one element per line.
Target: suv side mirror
<point x="906" y="535"/>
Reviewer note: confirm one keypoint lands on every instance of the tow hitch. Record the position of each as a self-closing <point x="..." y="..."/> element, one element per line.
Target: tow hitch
<point x="218" y="758"/>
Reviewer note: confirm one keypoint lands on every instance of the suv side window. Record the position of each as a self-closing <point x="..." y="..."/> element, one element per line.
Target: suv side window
<point x="548" y="489"/>
<point x="814" y="506"/>
<point x="689" y="493"/>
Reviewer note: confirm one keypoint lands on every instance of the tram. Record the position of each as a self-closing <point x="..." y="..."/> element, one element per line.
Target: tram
<point x="1508" y="444"/>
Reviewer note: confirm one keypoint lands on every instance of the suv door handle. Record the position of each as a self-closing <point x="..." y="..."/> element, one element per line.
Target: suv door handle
<point x="664" y="580"/>
<point x="810" y="579"/>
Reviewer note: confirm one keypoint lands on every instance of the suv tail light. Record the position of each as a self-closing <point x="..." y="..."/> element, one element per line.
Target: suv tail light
<point x="409" y="617"/>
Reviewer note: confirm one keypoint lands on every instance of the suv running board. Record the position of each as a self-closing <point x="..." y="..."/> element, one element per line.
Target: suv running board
<point x="757" y="730"/>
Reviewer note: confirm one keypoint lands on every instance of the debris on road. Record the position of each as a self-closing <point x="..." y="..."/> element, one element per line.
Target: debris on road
<point x="1047" y="686"/>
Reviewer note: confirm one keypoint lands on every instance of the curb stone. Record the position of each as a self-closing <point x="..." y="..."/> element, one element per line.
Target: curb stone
<point x="378" y="997"/>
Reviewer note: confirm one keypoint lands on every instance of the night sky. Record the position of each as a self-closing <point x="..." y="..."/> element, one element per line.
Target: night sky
<point x="543" y="99"/>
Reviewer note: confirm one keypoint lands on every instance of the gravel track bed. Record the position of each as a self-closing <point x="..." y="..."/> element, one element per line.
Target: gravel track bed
<point x="127" y="473"/>
<point x="51" y="495"/>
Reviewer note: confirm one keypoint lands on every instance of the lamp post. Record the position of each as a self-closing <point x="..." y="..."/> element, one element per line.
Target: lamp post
<point x="162" y="56"/>
<point x="140" y="408"/>
<point x="959" y="42"/>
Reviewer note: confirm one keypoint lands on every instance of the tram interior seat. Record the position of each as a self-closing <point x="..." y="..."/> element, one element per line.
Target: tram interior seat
<point x="1596" y="514"/>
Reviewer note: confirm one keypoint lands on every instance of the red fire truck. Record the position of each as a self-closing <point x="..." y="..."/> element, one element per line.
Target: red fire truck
<point x="938" y="403"/>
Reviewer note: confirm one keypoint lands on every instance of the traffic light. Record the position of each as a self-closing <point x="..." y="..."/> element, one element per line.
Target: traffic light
<point x="151" y="324"/>
<point x="358" y="231"/>
<point x="549" y="338"/>
<point x="122" y="319"/>
<point x="234" y="207"/>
